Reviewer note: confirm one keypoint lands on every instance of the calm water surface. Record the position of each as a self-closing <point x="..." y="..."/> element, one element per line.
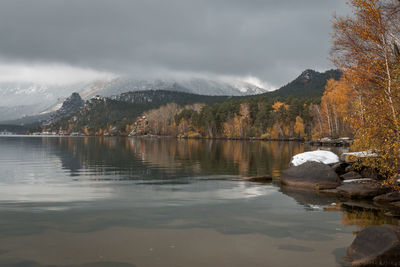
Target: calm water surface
<point x="163" y="202"/>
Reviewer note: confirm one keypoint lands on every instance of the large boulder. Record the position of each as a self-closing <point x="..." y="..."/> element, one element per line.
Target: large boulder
<point x="376" y="246"/>
<point x="312" y="175"/>
<point x="321" y="156"/>
<point x="365" y="189"/>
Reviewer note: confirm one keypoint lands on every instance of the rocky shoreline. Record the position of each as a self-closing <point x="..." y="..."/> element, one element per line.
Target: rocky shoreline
<point x="323" y="173"/>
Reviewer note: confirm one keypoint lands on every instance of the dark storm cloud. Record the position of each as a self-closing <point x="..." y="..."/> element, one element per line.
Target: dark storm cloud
<point x="273" y="40"/>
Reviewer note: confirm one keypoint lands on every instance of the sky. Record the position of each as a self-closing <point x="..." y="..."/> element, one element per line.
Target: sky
<point x="67" y="41"/>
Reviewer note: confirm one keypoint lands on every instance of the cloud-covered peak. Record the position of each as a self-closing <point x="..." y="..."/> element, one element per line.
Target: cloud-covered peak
<point x="49" y="74"/>
<point x="271" y="40"/>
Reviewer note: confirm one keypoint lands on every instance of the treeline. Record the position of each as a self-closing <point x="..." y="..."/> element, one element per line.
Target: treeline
<point x="117" y="115"/>
<point x="367" y="97"/>
<point x="258" y="117"/>
<point x="97" y="117"/>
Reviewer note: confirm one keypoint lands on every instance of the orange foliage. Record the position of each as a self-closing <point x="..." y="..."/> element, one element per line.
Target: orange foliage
<point x="86" y="131"/>
<point x="70" y="127"/>
<point x="366" y="47"/>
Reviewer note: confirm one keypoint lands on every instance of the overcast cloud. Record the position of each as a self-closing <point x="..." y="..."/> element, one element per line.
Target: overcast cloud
<point x="271" y="40"/>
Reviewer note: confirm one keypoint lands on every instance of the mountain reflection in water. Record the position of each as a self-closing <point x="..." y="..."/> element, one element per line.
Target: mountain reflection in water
<point x="164" y="202"/>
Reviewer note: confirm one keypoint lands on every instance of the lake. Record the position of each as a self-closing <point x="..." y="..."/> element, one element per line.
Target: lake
<point x="89" y="201"/>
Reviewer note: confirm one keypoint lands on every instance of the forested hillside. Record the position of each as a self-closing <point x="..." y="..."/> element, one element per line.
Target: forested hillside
<point x="366" y="46"/>
<point x="290" y="112"/>
<point x="113" y="115"/>
<point x="309" y="84"/>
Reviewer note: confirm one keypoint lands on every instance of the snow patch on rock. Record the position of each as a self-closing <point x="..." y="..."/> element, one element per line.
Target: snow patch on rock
<point x="361" y="154"/>
<point x="322" y="156"/>
<point x="357" y="180"/>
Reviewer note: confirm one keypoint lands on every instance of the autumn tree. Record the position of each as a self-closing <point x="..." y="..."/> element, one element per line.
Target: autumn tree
<point x="299" y="127"/>
<point x="366" y="47"/>
<point x="317" y="121"/>
<point x="338" y="106"/>
<point x="161" y="119"/>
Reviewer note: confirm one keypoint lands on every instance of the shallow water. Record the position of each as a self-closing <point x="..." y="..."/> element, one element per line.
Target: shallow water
<point x="163" y="202"/>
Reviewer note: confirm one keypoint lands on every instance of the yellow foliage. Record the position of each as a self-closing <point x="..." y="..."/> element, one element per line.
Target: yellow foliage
<point x="299" y="127"/>
<point x="193" y="135"/>
<point x="129" y="128"/>
<point x="276" y="131"/>
<point x="276" y="106"/>
<point x="265" y="136"/>
<point x="364" y="47"/>
<point x="99" y="132"/>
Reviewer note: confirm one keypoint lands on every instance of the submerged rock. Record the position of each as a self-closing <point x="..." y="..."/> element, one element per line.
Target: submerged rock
<point x="308" y="197"/>
<point x="321" y="156"/>
<point x="361" y="190"/>
<point x="259" y="179"/>
<point x="376" y="246"/>
<point x="312" y="175"/>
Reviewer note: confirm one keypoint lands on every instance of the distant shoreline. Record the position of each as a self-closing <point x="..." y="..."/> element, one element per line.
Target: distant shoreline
<point x="324" y="143"/>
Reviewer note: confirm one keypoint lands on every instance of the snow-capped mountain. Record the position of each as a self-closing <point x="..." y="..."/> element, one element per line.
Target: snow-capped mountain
<point x="25" y="99"/>
<point x="201" y="86"/>
<point x="19" y="100"/>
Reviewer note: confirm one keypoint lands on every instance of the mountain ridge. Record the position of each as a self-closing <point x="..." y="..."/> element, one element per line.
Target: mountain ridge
<point x="309" y="84"/>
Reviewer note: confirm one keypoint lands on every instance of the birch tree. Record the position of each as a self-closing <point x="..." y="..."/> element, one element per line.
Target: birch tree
<point x="365" y="46"/>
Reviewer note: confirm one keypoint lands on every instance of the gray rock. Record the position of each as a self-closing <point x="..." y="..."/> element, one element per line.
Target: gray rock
<point x="362" y="190"/>
<point x="370" y="173"/>
<point x="376" y="246"/>
<point x="351" y="175"/>
<point x="340" y="168"/>
<point x="350" y="168"/>
<point x="389" y="197"/>
<point x="395" y="205"/>
<point x="312" y="175"/>
<point x="332" y="192"/>
<point x="361" y="205"/>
